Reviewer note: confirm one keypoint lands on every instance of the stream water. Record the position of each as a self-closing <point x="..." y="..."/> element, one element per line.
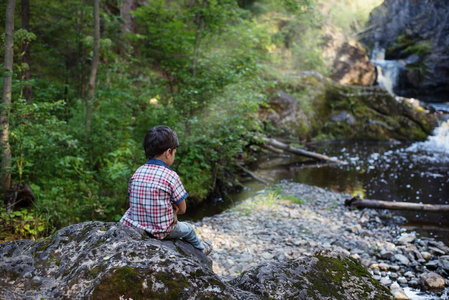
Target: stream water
<point x="410" y="172"/>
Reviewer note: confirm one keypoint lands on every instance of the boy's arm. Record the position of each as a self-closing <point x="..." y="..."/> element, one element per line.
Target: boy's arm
<point x="180" y="208"/>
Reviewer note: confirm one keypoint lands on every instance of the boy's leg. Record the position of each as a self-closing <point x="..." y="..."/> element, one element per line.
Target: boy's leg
<point x="185" y="231"/>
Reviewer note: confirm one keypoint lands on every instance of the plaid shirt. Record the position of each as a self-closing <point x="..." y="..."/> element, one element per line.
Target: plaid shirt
<point x="152" y="190"/>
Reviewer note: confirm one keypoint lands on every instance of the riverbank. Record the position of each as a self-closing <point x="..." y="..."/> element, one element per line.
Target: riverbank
<point x="294" y="220"/>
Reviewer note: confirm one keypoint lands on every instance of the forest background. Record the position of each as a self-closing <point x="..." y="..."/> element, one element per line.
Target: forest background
<point x="202" y="67"/>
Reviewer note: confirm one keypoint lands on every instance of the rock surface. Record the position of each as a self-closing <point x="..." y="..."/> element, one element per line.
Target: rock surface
<point x="296" y="220"/>
<point x="348" y="59"/>
<point x="415" y="32"/>
<point x="293" y="242"/>
<point x="96" y="260"/>
<point x="340" y="112"/>
<point x="106" y="261"/>
<point x="322" y="276"/>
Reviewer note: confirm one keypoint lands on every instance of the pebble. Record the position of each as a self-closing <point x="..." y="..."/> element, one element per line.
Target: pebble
<point x="385" y="281"/>
<point x="426" y="255"/>
<point x="260" y="229"/>
<point x="402" y="259"/>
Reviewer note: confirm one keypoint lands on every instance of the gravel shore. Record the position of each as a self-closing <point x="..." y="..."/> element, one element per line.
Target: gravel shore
<point x="293" y="220"/>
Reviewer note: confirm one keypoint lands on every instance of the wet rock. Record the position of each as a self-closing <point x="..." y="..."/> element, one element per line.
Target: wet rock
<point x="432" y="281"/>
<point x="398" y="292"/>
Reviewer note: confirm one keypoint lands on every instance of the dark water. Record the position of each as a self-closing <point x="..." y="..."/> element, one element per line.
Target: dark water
<point x="401" y="172"/>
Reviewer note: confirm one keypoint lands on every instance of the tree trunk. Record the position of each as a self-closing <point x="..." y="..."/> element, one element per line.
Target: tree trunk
<point x="6" y="97"/>
<point x="280" y="145"/>
<point x="26" y="58"/>
<point x="94" y="67"/>
<point x="200" y="25"/>
<point x="129" y="23"/>
<point x="369" y="203"/>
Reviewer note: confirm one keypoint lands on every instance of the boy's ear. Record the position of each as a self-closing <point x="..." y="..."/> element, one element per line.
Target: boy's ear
<point x="167" y="152"/>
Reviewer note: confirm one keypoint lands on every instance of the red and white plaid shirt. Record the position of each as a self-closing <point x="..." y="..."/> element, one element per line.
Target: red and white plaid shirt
<point x="152" y="190"/>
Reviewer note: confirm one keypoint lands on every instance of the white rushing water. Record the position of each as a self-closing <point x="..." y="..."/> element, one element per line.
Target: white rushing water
<point x="436" y="143"/>
<point x="388" y="71"/>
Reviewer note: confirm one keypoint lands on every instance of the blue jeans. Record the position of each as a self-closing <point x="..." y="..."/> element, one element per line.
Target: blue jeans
<point x="185" y="231"/>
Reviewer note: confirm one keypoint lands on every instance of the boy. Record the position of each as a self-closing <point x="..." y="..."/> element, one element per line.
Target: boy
<point x="156" y="194"/>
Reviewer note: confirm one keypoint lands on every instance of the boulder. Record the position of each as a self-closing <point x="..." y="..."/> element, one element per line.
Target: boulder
<point x="414" y="32"/>
<point x="285" y="112"/>
<point x="322" y="109"/>
<point x="326" y="275"/>
<point x="348" y="59"/>
<point x="96" y="260"/>
<point x="106" y="261"/>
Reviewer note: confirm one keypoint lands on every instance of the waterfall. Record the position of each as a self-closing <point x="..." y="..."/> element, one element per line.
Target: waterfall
<point x="436" y="143"/>
<point x="388" y="71"/>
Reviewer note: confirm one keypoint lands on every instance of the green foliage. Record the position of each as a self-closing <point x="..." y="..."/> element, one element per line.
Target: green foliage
<point x="406" y="46"/>
<point x="298" y="38"/>
<point x="198" y="67"/>
<point x="349" y="15"/>
<point x="293" y="199"/>
<point x="277" y="191"/>
<point x="25" y="223"/>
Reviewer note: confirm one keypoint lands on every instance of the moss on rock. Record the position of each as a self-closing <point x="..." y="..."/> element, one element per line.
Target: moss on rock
<point x="371" y="113"/>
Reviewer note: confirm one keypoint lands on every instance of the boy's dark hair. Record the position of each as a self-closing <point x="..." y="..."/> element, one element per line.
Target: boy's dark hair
<point x="158" y="140"/>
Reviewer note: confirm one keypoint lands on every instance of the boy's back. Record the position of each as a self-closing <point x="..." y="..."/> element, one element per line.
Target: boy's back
<point x="155" y="190"/>
<point x="152" y="190"/>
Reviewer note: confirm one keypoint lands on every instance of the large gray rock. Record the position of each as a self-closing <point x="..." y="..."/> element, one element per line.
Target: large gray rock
<point x="323" y="276"/>
<point x="416" y="32"/>
<point x="96" y="260"/>
<point x="107" y="261"/>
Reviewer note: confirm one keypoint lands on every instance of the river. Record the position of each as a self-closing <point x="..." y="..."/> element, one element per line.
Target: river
<point x="397" y="171"/>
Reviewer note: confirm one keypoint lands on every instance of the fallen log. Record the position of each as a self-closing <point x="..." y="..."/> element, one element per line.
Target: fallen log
<point x="369" y="203"/>
<point x="280" y="145"/>
<point x="252" y="174"/>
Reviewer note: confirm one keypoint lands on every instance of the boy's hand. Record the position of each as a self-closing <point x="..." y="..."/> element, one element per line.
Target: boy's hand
<point x="175" y="213"/>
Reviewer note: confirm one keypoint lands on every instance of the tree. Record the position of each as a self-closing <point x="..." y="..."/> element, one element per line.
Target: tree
<point x="26" y="58"/>
<point x="94" y="67"/>
<point x="129" y="22"/>
<point x="6" y="97"/>
<point x="200" y="25"/>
